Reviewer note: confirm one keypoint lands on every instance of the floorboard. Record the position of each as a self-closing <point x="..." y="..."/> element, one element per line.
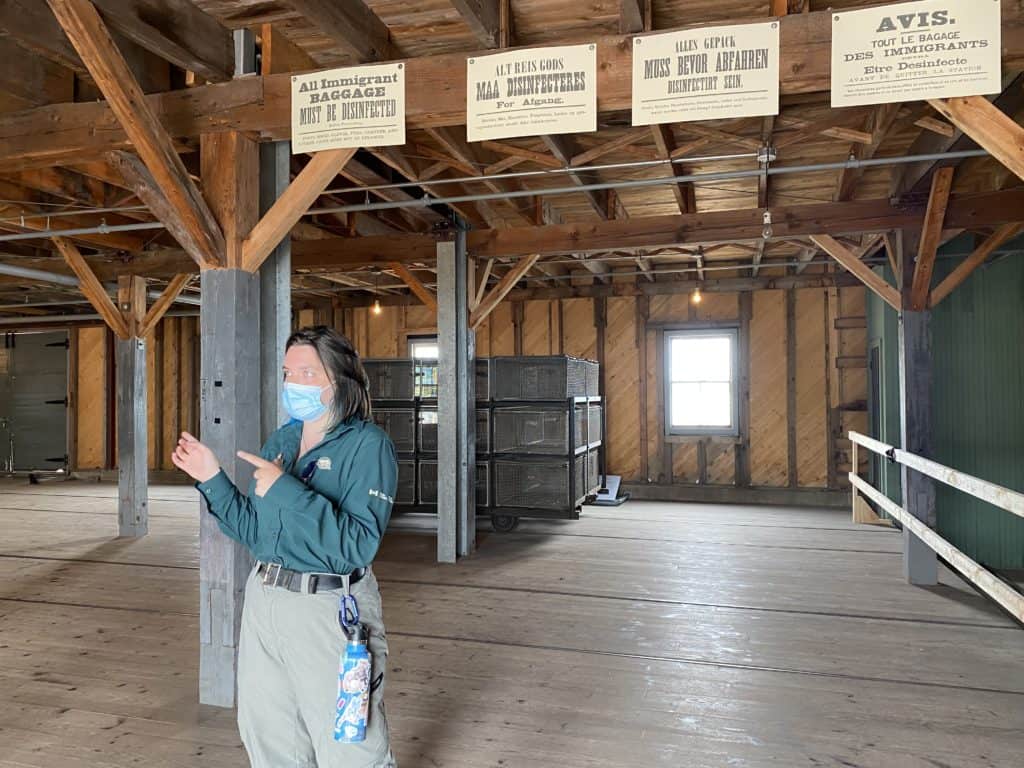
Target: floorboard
<point x="648" y="635"/>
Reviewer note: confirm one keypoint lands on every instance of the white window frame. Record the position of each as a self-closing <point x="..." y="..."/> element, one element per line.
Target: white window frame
<point x="733" y="334"/>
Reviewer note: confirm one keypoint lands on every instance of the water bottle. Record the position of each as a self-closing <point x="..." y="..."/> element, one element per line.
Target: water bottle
<point x="354" y="675"/>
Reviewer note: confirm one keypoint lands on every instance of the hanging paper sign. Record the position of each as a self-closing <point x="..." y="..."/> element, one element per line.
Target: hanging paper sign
<point x="709" y="73"/>
<point x="532" y="92"/>
<point x="913" y="51"/>
<point x="348" y="107"/>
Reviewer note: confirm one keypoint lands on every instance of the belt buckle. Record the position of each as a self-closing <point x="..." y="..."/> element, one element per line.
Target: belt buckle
<point x="276" y="577"/>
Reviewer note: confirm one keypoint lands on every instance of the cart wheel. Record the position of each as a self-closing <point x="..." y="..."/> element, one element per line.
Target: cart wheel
<point x="504" y="523"/>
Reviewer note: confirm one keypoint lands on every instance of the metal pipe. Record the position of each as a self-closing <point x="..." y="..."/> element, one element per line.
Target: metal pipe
<point x="547" y="172"/>
<point x="73" y="212"/>
<point x="102" y="229"/>
<point x="13" y="270"/>
<point x="425" y="202"/>
<point x="58" y="319"/>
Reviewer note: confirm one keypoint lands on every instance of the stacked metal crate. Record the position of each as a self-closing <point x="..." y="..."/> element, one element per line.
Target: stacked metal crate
<point x="539" y="434"/>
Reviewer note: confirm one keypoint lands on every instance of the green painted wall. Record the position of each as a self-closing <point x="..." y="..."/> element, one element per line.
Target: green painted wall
<point x="977" y="398"/>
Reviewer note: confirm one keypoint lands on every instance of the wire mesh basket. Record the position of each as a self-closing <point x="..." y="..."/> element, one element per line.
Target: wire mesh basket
<point x="400" y="425"/>
<point x="406" y="491"/>
<point x="593" y="374"/>
<point x="428" y="483"/>
<point x="538" y="378"/>
<point x="534" y="430"/>
<point x="428" y="431"/>
<point x="483" y="379"/>
<point x="390" y="379"/>
<point x="595" y="415"/>
<point x="538" y="483"/>
<point x="593" y="471"/>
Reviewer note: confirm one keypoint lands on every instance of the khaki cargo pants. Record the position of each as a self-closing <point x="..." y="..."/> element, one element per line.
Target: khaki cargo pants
<point x="288" y="678"/>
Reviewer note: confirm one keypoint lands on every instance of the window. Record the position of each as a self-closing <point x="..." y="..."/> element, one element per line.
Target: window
<point x="700" y="382"/>
<point x="424" y="352"/>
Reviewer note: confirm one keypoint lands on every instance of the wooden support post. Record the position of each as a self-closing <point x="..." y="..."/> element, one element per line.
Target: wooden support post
<point x="920" y="564"/>
<point x="132" y="423"/>
<point x="275" y="289"/>
<point x="456" y="449"/>
<point x="743" y="382"/>
<point x="230" y="395"/>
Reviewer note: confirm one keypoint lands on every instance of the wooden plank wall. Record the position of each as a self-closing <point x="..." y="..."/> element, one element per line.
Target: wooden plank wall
<point x="826" y="398"/>
<point x="172" y="370"/>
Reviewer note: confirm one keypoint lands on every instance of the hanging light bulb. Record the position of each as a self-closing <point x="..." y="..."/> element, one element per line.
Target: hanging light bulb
<point x="695" y="297"/>
<point x="376" y="306"/>
<point x="376" y="290"/>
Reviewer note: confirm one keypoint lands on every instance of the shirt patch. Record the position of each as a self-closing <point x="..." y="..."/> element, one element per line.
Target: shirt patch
<point x="381" y="495"/>
<point x="324" y="462"/>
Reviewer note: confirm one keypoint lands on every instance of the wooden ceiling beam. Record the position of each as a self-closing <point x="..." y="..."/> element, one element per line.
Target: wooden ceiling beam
<point x="421" y="292"/>
<point x="498" y="292"/>
<point x="627" y="139"/>
<point x="484" y="18"/>
<point x="564" y="148"/>
<point x="665" y="141"/>
<point x="931" y="234"/>
<point x="511" y="150"/>
<point x="991" y="128"/>
<point x="976" y="259"/>
<point x="351" y="24"/>
<point x="880" y="123"/>
<point x="913" y="179"/>
<point x="859" y="269"/>
<point x="92" y="288"/>
<point x="31" y="79"/>
<point x="291" y="205"/>
<point x="91" y="39"/>
<point x="175" y="30"/>
<point x="78" y="132"/>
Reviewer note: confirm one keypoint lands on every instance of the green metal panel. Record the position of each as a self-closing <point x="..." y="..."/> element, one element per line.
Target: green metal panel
<point x="883" y="327"/>
<point x="977" y="398"/>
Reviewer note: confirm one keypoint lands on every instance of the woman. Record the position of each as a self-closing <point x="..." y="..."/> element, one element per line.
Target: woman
<point x="316" y="510"/>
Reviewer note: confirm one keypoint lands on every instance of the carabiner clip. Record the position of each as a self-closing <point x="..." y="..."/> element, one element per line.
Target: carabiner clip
<point x="348" y="612"/>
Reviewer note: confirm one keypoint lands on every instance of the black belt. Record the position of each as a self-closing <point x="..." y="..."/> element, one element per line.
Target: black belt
<point x="275" y="575"/>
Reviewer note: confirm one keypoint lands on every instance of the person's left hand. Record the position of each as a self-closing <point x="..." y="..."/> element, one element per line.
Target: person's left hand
<point x="266" y="473"/>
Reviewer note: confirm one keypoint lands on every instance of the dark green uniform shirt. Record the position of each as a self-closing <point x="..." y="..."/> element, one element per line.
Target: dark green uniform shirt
<point x="329" y="521"/>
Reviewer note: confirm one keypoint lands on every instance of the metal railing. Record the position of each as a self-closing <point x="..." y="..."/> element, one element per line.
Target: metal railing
<point x="997" y="495"/>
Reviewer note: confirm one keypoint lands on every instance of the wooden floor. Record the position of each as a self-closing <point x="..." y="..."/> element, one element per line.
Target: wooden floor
<point x="648" y="635"/>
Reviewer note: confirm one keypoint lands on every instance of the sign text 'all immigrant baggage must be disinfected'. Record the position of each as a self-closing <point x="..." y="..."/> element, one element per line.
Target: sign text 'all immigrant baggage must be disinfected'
<point x="709" y="73"/>
<point x="532" y="92"/>
<point x="913" y="51"/>
<point x="349" y="107"/>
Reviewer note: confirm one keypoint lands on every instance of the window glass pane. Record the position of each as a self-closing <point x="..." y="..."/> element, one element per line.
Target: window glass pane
<point x="701" y="358"/>
<point x="422" y="350"/>
<point x="701" y="405"/>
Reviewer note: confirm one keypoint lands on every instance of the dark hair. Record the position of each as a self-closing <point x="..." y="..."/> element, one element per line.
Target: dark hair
<point x="344" y="369"/>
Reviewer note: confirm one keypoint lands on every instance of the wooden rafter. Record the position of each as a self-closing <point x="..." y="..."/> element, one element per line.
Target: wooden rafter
<point x="564" y="148"/>
<point x="880" y="123"/>
<point x="290" y="206"/>
<point x="169" y="295"/>
<point x="511" y="150"/>
<point x="498" y="292"/>
<point x="175" y="30"/>
<point x="859" y="269"/>
<point x="991" y="128"/>
<point x="936" y="126"/>
<point x="92" y="288"/>
<point x="482" y="287"/>
<point x="975" y="260"/>
<point x="627" y="139"/>
<point x="352" y="25"/>
<point x="931" y="234"/>
<point x="423" y="293"/>
<point x="91" y="39"/>
<point x="665" y="141"/>
<point x="483" y="17"/>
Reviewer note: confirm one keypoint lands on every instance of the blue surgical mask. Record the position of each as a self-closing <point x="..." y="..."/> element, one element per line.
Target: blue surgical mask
<point x="302" y="401"/>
